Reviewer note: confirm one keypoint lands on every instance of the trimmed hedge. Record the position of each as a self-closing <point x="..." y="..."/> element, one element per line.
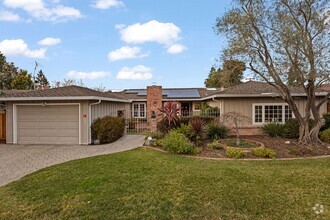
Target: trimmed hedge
<point x="108" y="129"/>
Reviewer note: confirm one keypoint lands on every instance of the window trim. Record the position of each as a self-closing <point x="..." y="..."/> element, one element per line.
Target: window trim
<point x="263" y="112"/>
<point x="139" y="109"/>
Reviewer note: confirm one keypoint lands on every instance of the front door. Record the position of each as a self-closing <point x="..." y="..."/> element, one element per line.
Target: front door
<point x="185" y="108"/>
<point x="2" y="127"/>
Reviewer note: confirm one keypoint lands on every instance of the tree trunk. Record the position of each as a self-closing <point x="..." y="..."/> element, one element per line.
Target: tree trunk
<point x="238" y="141"/>
<point x="309" y="135"/>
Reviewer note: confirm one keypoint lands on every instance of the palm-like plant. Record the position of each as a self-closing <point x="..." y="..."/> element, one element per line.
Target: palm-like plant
<point x="170" y="112"/>
<point x="197" y="129"/>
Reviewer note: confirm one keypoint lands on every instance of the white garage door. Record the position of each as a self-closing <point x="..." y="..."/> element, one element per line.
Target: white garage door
<point x="50" y="124"/>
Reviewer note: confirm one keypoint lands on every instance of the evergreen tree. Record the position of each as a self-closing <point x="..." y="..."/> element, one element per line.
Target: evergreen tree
<point x="42" y="79"/>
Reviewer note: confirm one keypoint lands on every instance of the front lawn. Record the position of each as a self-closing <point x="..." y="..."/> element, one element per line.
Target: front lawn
<point x="144" y="183"/>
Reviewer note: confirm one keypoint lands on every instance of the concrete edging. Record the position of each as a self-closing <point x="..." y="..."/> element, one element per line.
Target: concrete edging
<point x="253" y="159"/>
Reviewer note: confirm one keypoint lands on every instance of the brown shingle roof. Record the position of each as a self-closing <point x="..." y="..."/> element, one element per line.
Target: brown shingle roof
<point x="68" y="91"/>
<point x="256" y="88"/>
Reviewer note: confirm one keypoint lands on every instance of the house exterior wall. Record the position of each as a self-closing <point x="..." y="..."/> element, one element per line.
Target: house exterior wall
<point x="245" y="105"/>
<point x="84" y="118"/>
<point x="109" y="109"/>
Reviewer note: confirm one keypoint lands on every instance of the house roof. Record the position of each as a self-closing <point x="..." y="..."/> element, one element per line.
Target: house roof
<point x="61" y="93"/>
<point x="248" y="89"/>
<point x="253" y="88"/>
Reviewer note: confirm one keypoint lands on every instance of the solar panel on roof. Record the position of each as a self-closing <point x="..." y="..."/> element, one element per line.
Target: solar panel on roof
<point x="186" y="93"/>
<point x="170" y="93"/>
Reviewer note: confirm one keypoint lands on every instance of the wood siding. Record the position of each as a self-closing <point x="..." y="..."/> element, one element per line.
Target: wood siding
<point x="244" y="105"/>
<point x="109" y="109"/>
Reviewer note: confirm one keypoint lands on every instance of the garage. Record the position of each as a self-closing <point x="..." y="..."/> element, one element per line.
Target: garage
<point x="47" y="124"/>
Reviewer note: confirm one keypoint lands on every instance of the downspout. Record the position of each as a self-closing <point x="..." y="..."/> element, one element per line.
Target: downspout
<point x="217" y="101"/>
<point x="90" y="120"/>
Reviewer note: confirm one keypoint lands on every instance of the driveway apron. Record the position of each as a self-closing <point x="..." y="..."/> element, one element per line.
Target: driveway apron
<point x="17" y="161"/>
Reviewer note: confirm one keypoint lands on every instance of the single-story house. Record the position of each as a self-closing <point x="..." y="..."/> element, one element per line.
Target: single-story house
<point x="64" y="115"/>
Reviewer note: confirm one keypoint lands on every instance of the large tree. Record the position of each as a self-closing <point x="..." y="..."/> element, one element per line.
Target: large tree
<point x="7" y="72"/>
<point x="22" y="81"/>
<point x="274" y="36"/>
<point x="231" y="74"/>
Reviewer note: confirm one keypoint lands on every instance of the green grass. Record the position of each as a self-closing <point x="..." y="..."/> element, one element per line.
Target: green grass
<point x="243" y="143"/>
<point x="144" y="183"/>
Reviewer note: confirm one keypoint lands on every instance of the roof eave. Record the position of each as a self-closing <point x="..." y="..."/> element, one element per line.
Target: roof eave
<point x="65" y="98"/>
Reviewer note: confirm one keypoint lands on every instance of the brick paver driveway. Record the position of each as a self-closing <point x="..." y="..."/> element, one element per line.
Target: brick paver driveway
<point x="18" y="160"/>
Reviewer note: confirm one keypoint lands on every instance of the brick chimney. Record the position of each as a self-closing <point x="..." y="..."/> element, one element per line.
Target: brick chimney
<point x="154" y="103"/>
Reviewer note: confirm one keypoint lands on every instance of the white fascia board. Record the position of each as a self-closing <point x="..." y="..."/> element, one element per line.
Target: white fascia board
<point x="62" y="98"/>
<point x="259" y="95"/>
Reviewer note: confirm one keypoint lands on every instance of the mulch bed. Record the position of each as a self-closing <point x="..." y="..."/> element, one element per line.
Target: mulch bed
<point x="283" y="150"/>
<point x="291" y="150"/>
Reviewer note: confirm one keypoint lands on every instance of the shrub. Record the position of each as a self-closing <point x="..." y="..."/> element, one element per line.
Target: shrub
<point x="108" y="129"/>
<point x="326" y="118"/>
<point x="183" y="129"/>
<point x="215" y="145"/>
<point x="273" y="129"/>
<point x="264" y="152"/>
<point x="325" y="136"/>
<point x="216" y="130"/>
<point x="186" y="120"/>
<point x="235" y="153"/>
<point x="177" y="143"/>
<point x="164" y="127"/>
<point x="291" y="128"/>
<point x="197" y="129"/>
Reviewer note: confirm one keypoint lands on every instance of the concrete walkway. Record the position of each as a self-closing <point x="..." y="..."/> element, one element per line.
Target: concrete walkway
<point x="17" y="161"/>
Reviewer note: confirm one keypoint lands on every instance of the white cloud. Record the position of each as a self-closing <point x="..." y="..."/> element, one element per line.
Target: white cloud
<point x="176" y="48"/>
<point x="9" y="16"/>
<point x="152" y="31"/>
<point x="139" y="72"/>
<point x="39" y="10"/>
<point x="88" y="75"/>
<point x="126" y="53"/>
<point x="49" y="41"/>
<point x="105" y="4"/>
<point x="120" y="26"/>
<point x="18" y="47"/>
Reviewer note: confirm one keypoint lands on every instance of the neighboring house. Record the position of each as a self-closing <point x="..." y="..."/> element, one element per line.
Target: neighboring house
<point x="64" y="115"/>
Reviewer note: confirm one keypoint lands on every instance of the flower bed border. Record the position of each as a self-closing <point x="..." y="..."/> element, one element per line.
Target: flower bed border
<point x="246" y="159"/>
<point x="245" y="149"/>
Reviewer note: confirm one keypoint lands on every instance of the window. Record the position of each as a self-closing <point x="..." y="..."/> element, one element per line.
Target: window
<point x="197" y="106"/>
<point x="139" y="110"/>
<point x="265" y="113"/>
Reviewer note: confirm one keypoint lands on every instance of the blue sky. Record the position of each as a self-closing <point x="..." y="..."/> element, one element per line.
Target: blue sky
<point x="116" y="44"/>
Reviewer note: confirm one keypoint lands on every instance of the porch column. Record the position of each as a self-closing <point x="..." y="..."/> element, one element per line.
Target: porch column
<point x="154" y="103"/>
